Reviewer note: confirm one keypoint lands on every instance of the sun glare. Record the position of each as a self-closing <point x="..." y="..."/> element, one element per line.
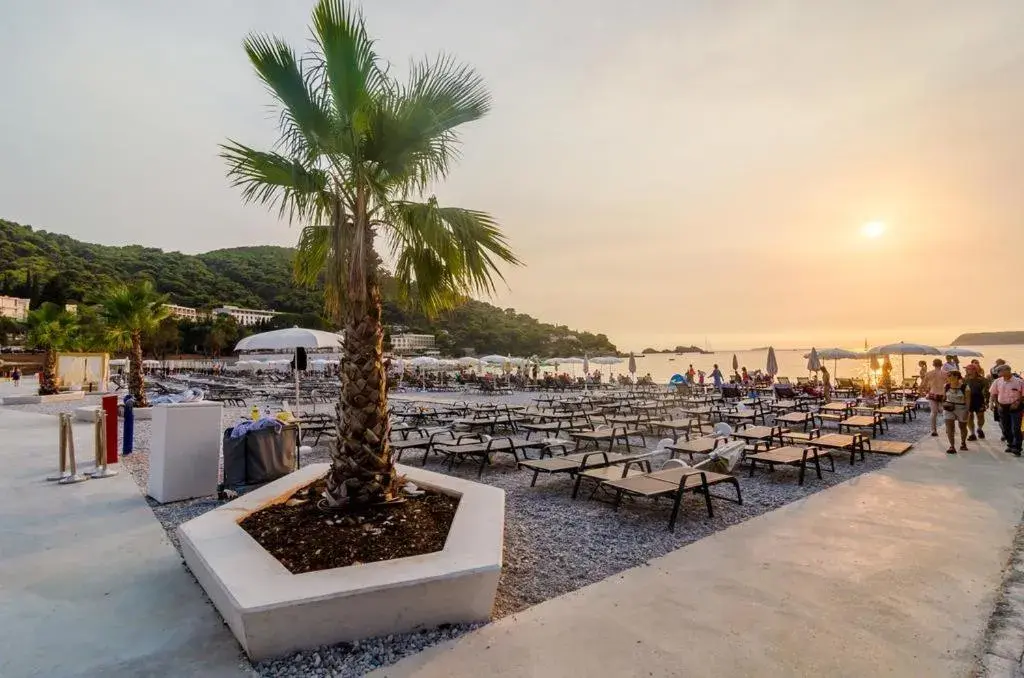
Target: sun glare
<point x="873" y="229"/>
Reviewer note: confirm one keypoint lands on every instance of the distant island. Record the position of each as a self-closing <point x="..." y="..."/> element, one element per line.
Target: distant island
<point x="989" y="338"/>
<point x="677" y="349"/>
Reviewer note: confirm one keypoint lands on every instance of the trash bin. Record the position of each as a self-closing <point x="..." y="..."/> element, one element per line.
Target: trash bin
<point x="259" y="456"/>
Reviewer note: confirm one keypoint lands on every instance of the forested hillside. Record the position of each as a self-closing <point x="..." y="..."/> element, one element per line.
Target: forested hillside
<point x="47" y="266"/>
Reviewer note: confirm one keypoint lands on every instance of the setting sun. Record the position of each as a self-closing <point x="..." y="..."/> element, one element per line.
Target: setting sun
<point x="873" y="229"/>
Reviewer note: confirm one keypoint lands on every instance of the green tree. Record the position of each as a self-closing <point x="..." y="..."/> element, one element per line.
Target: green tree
<point x="130" y="312"/>
<point x="358" y="152"/>
<point x="9" y="328"/>
<point x="51" y="329"/>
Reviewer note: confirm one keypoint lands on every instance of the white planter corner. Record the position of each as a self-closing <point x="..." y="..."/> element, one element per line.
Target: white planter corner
<point x="273" y="612"/>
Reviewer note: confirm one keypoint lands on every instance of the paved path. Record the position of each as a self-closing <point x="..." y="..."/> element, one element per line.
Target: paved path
<point x="894" y="573"/>
<point x="89" y="584"/>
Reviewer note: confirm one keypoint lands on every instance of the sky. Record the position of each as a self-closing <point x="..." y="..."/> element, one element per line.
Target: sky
<point x="670" y="171"/>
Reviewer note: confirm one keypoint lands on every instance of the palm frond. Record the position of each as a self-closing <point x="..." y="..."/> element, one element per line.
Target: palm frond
<point x="445" y="252"/>
<point x="272" y="180"/>
<point x="349" y="64"/>
<point x="128" y="309"/>
<point x="412" y="133"/>
<point x="323" y="254"/>
<point x="306" y="124"/>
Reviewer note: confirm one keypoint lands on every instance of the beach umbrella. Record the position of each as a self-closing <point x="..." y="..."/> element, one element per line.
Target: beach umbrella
<point x="632" y="364"/>
<point x="772" y="368"/>
<point x="835" y="355"/>
<point x="469" y="361"/>
<point x="813" y="362"/>
<point x="424" y="361"/>
<point x="903" y="349"/>
<point x="493" y="359"/>
<point x="961" y="351"/>
<point x="735" y="363"/>
<point x="290" y="339"/>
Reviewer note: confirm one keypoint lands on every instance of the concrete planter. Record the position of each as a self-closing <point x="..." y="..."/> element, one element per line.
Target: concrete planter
<point x="142" y="413"/>
<point x="273" y="612"/>
<point x="38" y="399"/>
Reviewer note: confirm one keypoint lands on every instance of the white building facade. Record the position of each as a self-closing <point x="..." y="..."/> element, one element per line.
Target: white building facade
<point x="412" y="343"/>
<point x="245" y="316"/>
<point x="14" y="307"/>
<point x="185" y="312"/>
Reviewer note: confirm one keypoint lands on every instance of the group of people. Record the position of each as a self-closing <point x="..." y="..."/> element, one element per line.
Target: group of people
<point x="963" y="397"/>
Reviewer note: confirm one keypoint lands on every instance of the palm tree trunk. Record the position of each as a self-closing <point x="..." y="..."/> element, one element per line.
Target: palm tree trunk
<point x="48" y="385"/>
<point x="361" y="469"/>
<point x="135" y="384"/>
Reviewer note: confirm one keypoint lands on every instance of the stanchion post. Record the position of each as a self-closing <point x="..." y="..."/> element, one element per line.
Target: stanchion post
<point x="101" y="441"/>
<point x="72" y="476"/>
<point x="62" y="450"/>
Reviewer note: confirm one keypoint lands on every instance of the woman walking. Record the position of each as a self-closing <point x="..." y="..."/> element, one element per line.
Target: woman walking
<point x="933" y="384"/>
<point x="716" y="377"/>
<point x="954" y="409"/>
<point x="979" y="385"/>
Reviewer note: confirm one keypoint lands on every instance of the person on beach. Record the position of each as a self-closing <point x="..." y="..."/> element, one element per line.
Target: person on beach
<point x="994" y="372"/>
<point x="1007" y="393"/>
<point x="951" y="364"/>
<point x="922" y="370"/>
<point x="691" y="374"/>
<point x="744" y="376"/>
<point x="716" y="376"/>
<point x="979" y="386"/>
<point x="933" y="385"/>
<point x="826" y="384"/>
<point x="16" y="376"/>
<point x="955" y="403"/>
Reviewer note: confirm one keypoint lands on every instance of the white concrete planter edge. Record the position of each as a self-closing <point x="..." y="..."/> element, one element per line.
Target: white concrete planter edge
<point x="273" y="612"/>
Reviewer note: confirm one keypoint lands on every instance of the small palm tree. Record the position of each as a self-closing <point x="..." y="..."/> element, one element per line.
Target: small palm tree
<point x="131" y="311"/>
<point x="358" y="151"/>
<point x="51" y="329"/>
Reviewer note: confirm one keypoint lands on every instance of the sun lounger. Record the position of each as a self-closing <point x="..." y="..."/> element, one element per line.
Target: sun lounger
<point x="796" y="418"/>
<point x="874" y="421"/>
<point x="576" y="462"/>
<point x="609" y="435"/>
<point x="756" y="436"/>
<point x="893" y="447"/>
<point x="673" y="483"/>
<point x="791" y="456"/>
<point x="674" y="426"/>
<point x="554" y="428"/>
<point x="484" y="449"/>
<point x="704" y="445"/>
<point x="853" y="443"/>
<point x="426" y="439"/>
<point x="903" y="410"/>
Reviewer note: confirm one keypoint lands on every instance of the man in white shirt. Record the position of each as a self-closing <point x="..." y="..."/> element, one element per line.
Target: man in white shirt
<point x="933" y="384"/>
<point x="1008" y="397"/>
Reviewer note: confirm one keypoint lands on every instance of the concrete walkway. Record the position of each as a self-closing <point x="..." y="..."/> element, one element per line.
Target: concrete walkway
<point x="892" y="574"/>
<point x="89" y="584"/>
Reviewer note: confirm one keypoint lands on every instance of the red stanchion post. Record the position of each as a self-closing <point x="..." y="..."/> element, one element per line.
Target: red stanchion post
<point x="110" y="407"/>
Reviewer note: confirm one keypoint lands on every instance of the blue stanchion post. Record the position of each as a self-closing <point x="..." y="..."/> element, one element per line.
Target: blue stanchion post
<point x="128" y="437"/>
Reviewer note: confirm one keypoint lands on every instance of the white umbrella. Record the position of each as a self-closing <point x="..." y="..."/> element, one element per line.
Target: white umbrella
<point x="494" y="359"/>
<point x="813" y="362"/>
<point x="961" y="352"/>
<point x="424" y="361"/>
<point x="572" y="361"/>
<point x="469" y="361"/>
<point x="292" y="338"/>
<point x="772" y="368"/>
<point x="901" y="349"/>
<point x="289" y="339"/>
<point x="606" y="360"/>
<point x="835" y="355"/>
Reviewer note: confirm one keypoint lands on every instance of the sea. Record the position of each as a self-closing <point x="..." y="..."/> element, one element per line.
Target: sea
<point x="792" y="363"/>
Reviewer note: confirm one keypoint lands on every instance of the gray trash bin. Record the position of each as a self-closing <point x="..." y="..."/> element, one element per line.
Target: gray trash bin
<point x="259" y="456"/>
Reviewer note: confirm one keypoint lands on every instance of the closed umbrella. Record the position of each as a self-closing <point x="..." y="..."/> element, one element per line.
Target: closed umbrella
<point x="772" y="368"/>
<point x="632" y="364"/>
<point x="813" y="361"/>
<point x="735" y="364"/>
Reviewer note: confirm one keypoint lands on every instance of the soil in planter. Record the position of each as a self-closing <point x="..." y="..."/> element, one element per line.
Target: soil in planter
<point x="305" y="539"/>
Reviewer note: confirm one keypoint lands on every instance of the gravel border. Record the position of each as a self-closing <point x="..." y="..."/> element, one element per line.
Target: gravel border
<point x="1003" y="656"/>
<point x="553" y="544"/>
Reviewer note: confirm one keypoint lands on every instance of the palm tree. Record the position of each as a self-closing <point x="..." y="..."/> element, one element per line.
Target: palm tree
<point x="52" y="329"/>
<point x="131" y="311"/>
<point x="358" y="150"/>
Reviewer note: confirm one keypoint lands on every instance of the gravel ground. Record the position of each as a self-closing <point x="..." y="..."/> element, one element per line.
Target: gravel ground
<point x="553" y="544"/>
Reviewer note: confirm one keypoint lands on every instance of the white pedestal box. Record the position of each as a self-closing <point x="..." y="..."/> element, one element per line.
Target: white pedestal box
<point x="184" y="455"/>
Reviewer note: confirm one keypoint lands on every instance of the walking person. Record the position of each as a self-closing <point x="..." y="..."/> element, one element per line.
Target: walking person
<point x="16" y="376"/>
<point x="1008" y="395"/>
<point x="956" y="398"/>
<point x="933" y="385"/>
<point x="979" y="386"/>
<point x="716" y="377"/>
